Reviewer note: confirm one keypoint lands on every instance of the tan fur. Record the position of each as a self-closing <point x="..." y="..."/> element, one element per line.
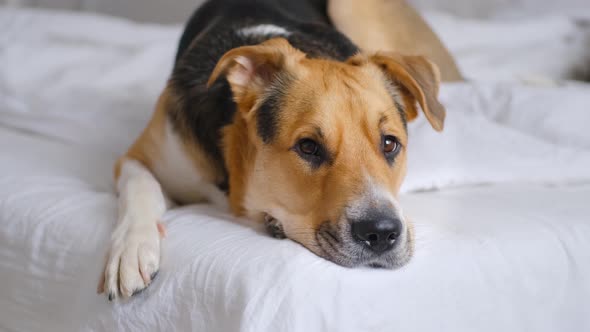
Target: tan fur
<point x="147" y="147"/>
<point x="420" y="79"/>
<point x="347" y="101"/>
<point x="391" y="25"/>
<point x="238" y="159"/>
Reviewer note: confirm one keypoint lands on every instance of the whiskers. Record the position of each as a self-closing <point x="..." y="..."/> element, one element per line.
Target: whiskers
<point x="332" y="242"/>
<point x="336" y="247"/>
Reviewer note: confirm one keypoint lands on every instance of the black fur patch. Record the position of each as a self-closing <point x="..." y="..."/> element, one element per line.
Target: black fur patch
<point x="319" y="41"/>
<point x="201" y="113"/>
<point x="402" y="113"/>
<point x="267" y="117"/>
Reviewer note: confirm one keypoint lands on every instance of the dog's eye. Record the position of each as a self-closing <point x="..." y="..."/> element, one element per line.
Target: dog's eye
<point x="390" y="145"/>
<point x="311" y="151"/>
<point x="308" y="146"/>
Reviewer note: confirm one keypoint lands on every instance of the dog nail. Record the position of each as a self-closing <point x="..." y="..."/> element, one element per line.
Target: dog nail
<point x="138" y="291"/>
<point x="154" y="275"/>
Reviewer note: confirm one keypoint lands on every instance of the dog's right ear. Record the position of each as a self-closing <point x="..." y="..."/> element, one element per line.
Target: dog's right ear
<point x="419" y="80"/>
<point x="251" y="69"/>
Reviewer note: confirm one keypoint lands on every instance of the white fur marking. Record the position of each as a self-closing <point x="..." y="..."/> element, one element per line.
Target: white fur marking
<point x="134" y="255"/>
<point x="180" y="177"/>
<point x="374" y="195"/>
<point x="264" y="30"/>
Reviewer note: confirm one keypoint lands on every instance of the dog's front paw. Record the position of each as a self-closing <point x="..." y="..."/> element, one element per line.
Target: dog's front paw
<point x="133" y="260"/>
<point x="274" y="227"/>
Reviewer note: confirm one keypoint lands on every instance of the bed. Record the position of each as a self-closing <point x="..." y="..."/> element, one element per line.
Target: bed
<point x="501" y="199"/>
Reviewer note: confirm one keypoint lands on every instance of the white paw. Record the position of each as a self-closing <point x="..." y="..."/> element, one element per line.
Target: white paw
<point x="133" y="260"/>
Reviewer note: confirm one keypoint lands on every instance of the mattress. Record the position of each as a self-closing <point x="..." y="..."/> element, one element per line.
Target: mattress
<point x="500" y="199"/>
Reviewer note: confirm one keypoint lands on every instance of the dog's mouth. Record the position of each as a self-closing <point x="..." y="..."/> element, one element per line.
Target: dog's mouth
<point x="335" y="243"/>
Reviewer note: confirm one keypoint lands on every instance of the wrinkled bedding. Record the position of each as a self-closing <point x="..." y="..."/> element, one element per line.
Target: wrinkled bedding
<point x="500" y="199"/>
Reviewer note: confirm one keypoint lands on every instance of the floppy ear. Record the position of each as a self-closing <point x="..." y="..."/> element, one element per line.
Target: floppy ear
<point x="418" y="80"/>
<point x="251" y="69"/>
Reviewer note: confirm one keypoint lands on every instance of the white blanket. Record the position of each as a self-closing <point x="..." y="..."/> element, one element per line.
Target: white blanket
<point x="76" y="89"/>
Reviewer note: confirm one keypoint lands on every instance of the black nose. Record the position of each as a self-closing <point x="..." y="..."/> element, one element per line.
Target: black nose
<point x="379" y="235"/>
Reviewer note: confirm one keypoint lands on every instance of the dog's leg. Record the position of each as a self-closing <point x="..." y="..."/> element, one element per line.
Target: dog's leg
<point x="134" y="256"/>
<point x="158" y="164"/>
<point x="391" y="25"/>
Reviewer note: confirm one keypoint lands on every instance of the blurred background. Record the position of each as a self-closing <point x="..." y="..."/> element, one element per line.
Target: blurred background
<point x="160" y="11"/>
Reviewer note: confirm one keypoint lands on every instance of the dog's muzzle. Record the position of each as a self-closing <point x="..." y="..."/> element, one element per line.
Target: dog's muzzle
<point x="381" y="241"/>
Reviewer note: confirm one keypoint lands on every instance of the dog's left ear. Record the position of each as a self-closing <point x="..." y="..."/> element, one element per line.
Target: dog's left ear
<point x="418" y="80"/>
<point x="251" y="69"/>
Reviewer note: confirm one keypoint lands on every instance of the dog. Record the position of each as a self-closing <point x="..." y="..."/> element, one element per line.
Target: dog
<point x="275" y="114"/>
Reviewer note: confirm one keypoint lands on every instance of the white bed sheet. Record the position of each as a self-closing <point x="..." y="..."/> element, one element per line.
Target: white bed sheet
<point x="509" y="258"/>
<point x="515" y="256"/>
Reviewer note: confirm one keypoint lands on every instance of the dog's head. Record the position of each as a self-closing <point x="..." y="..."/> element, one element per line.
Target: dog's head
<point x="321" y="146"/>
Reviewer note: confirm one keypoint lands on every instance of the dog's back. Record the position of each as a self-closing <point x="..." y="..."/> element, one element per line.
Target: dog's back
<point x="213" y="17"/>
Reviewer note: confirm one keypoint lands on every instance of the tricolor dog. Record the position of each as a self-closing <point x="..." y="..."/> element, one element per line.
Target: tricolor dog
<point x="273" y="112"/>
